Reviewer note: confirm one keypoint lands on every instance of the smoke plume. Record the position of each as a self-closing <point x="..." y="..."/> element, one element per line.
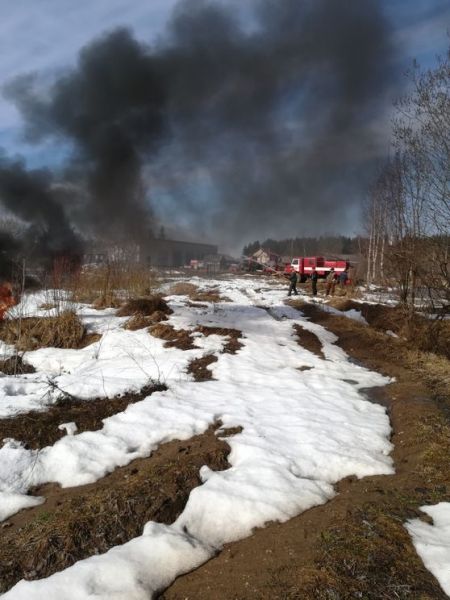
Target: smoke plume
<point x="245" y="128"/>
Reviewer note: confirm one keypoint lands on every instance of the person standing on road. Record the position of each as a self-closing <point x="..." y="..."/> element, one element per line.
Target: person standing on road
<point x="293" y="283"/>
<point x="331" y="282"/>
<point x="314" y="278"/>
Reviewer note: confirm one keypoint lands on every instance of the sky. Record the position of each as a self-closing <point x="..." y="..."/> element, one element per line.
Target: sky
<point x="45" y="37"/>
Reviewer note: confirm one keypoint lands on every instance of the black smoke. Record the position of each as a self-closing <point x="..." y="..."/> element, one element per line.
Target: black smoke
<point x="271" y="125"/>
<point x="33" y="197"/>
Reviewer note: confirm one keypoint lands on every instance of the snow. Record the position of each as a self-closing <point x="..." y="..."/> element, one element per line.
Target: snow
<point x="432" y="542"/>
<point x="302" y="431"/>
<point x="70" y="428"/>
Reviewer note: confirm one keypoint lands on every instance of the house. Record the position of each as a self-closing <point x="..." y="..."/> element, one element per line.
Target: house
<point x="266" y="258"/>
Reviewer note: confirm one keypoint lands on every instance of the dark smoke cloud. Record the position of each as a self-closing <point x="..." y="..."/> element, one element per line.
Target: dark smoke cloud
<point x="280" y="118"/>
<point x="32" y="196"/>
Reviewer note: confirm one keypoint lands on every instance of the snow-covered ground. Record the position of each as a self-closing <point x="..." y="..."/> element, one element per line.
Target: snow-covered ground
<point x="303" y="430"/>
<point x="432" y="542"/>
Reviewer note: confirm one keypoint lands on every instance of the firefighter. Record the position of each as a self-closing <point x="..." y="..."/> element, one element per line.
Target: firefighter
<point x="293" y="283"/>
<point x="314" y="278"/>
<point x="331" y="282"/>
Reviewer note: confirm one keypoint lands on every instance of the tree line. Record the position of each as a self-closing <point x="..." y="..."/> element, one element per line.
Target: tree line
<point x="408" y="208"/>
<point x="307" y="246"/>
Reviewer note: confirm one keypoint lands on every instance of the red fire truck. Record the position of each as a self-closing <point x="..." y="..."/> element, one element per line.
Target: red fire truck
<point x="304" y="266"/>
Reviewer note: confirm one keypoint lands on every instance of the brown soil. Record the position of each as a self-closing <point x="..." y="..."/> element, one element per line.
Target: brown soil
<point x="14" y="365"/>
<point x="175" y="338"/>
<point x="63" y="331"/>
<point x="198" y="367"/>
<point x="233" y="335"/>
<point x="354" y="546"/>
<point x="39" y="429"/>
<point x="75" y="523"/>
<point x="309" y="340"/>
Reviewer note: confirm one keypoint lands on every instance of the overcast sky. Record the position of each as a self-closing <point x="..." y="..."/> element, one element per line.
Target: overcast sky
<point x="45" y="36"/>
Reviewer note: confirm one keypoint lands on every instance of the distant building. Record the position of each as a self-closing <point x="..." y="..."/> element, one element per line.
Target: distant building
<point x="173" y="253"/>
<point x="157" y="253"/>
<point x="266" y="257"/>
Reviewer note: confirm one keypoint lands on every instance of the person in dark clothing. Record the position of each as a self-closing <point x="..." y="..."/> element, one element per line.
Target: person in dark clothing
<point x="293" y="283"/>
<point x="343" y="277"/>
<point x="314" y="278"/>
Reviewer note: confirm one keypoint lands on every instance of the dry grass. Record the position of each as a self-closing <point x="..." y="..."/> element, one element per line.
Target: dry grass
<point x="63" y="331"/>
<point x="144" y="306"/>
<point x="80" y="522"/>
<point x="198" y="367"/>
<point x="14" y="365"/>
<point x="309" y="340"/>
<point x="38" y="429"/>
<point x="175" y="338"/>
<point x="183" y="288"/>
<point x="111" y="284"/>
<point x="421" y="333"/>
<point x="234" y="335"/>
<point x="371" y="556"/>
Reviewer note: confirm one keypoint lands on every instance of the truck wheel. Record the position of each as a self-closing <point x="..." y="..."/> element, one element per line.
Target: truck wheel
<point x="303" y="278"/>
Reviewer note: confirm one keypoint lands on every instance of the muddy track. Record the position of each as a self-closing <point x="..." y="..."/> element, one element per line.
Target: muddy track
<point x="75" y="523"/>
<point x="354" y="546"/>
<point x="38" y="429"/>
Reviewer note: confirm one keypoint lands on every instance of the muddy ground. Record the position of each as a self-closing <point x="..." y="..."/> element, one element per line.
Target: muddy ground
<point x="355" y="546"/>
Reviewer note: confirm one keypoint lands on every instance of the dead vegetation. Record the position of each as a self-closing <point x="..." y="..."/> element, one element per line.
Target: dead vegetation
<point x="427" y="335"/>
<point x="38" y="429"/>
<point x="62" y="331"/>
<point x="144" y="312"/>
<point x="234" y="335"/>
<point x="110" y="284"/>
<point x="371" y="556"/>
<point x="309" y="340"/>
<point x="75" y="523"/>
<point x="183" y="288"/>
<point x="198" y="367"/>
<point x="175" y="338"/>
<point x="14" y="365"/>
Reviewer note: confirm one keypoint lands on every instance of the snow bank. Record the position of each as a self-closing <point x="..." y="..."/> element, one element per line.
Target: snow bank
<point x="432" y="542"/>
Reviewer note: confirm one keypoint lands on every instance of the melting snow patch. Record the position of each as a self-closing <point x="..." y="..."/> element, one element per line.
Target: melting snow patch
<point x="432" y="542"/>
<point x="302" y="431"/>
<point x="69" y="428"/>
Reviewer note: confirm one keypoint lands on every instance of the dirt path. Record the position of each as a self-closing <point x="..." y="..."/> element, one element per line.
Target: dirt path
<point x="355" y="546"/>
